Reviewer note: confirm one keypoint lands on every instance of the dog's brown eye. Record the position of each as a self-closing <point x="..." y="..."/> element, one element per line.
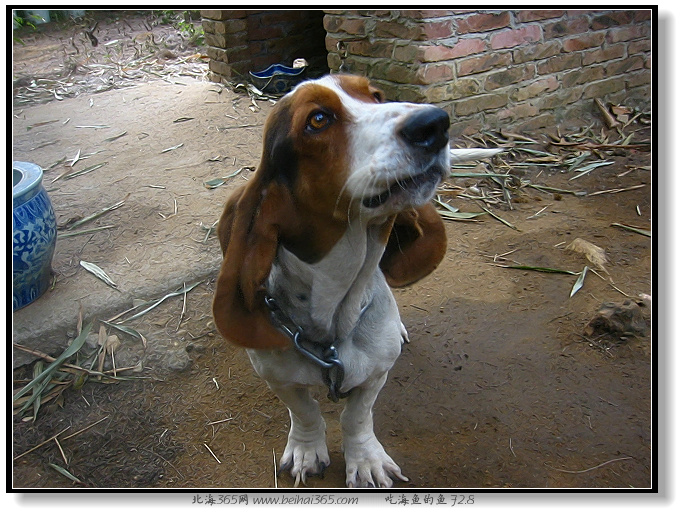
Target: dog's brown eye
<point x="377" y="95"/>
<point x="318" y="121"/>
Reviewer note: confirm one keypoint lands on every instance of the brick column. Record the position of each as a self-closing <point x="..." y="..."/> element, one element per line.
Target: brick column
<point x="225" y="33"/>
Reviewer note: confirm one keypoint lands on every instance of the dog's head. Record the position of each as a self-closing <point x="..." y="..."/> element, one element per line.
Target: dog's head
<point x="334" y="153"/>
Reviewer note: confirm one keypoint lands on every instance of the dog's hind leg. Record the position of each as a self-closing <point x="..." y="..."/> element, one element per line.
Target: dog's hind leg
<point x="306" y="452"/>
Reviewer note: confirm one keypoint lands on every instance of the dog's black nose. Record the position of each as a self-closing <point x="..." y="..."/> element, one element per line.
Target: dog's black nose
<point x="428" y="128"/>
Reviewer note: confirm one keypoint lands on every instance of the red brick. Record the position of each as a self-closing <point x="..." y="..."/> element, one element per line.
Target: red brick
<point x="438" y="93"/>
<point x="535" y="123"/>
<point x="638" y="79"/>
<point x="628" y="33"/>
<point x="602" y="55"/>
<point x="479" y="103"/>
<point x="483" y="22"/>
<point x="536" y="15"/>
<point x="582" y="76"/>
<point x="508" y="76"/>
<point x="405" y="30"/>
<point x="624" y="66"/>
<point x="611" y="19"/>
<point x="402" y="93"/>
<point x="331" y="43"/>
<point x="537" y="87"/>
<point x="560" y="63"/>
<point x="437" y="30"/>
<point x="428" y="14"/>
<point x="561" y="98"/>
<point x="393" y="72"/>
<point x="225" y="27"/>
<point x="566" y="28"/>
<point x="536" y="52"/>
<point x="642" y="46"/>
<point x="524" y="110"/>
<point x="354" y="26"/>
<point x="604" y="87"/>
<point x="642" y="15"/>
<point x="222" y="15"/>
<point x="588" y="40"/>
<point x="331" y="23"/>
<point x="334" y="61"/>
<point x="483" y="63"/>
<point x="409" y="53"/>
<point x="368" y="49"/>
<point x="434" y="73"/>
<point x="514" y="37"/>
<point x="462" y="48"/>
<point x="216" y="40"/>
<point x="464" y="87"/>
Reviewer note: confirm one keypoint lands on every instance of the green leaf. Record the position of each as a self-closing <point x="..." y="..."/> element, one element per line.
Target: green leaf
<point x="65" y="473"/>
<point x="41" y="381"/>
<point x="540" y="269"/>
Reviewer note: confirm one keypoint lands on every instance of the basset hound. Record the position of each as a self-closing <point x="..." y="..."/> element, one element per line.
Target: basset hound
<point x="337" y="212"/>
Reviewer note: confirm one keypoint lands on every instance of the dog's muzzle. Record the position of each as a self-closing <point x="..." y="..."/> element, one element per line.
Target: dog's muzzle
<point x="426" y="133"/>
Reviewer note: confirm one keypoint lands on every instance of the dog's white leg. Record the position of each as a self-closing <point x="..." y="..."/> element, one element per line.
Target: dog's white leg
<point x="368" y="465"/>
<point x="306" y="452"/>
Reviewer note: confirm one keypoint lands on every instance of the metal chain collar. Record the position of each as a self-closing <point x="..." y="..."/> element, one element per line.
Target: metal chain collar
<point x="329" y="359"/>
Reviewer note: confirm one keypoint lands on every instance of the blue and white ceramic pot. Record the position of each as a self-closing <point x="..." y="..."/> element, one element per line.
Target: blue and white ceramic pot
<point x="34" y="234"/>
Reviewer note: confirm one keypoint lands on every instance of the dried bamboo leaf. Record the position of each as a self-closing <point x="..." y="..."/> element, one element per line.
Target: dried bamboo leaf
<point x="607" y="116"/>
<point x="560" y="191"/>
<point x="590" y="167"/>
<point x="84" y="171"/>
<point x="114" y="138"/>
<point x="459" y="216"/>
<point x="641" y="231"/>
<point x="98" y="272"/>
<point x="217" y="182"/>
<point x="178" y="292"/>
<point x="592" y="252"/>
<point x="439" y="201"/>
<point x="100" y="213"/>
<point x="129" y="331"/>
<point x="500" y="219"/>
<point x="84" y="232"/>
<point x="172" y="148"/>
<point x="41" y="123"/>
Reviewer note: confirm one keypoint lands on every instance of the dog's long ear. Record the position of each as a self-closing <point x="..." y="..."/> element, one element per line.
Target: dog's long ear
<point x="248" y="231"/>
<point x="416" y="246"/>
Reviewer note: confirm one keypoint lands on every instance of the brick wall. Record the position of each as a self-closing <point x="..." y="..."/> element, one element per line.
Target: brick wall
<point x="239" y="41"/>
<point x="527" y="69"/>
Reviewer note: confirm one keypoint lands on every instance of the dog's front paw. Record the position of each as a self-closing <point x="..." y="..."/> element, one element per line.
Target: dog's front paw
<point x="304" y="458"/>
<point x="404" y="334"/>
<point x="369" y="466"/>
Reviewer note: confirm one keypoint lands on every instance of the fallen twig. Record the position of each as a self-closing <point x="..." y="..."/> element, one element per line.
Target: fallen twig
<point x="591" y="468"/>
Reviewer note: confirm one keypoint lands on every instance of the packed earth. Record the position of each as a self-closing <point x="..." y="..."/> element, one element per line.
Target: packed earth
<point x="530" y="361"/>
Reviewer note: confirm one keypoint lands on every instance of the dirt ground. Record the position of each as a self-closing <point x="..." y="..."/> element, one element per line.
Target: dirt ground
<point x="500" y="387"/>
